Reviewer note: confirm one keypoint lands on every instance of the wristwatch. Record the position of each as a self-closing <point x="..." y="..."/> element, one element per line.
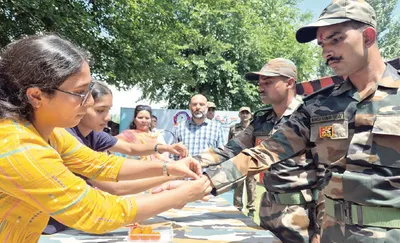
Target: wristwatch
<point x="156" y="147"/>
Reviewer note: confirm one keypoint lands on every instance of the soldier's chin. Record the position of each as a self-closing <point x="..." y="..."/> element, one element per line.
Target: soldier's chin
<point x="341" y="71"/>
<point x="265" y="100"/>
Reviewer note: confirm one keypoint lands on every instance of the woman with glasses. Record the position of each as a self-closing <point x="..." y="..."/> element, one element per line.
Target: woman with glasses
<point x="89" y="131"/>
<point x="140" y="132"/>
<point x="38" y="157"/>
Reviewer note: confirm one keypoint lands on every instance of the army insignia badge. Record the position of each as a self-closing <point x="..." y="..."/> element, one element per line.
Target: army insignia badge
<point x="259" y="139"/>
<point x="326" y="132"/>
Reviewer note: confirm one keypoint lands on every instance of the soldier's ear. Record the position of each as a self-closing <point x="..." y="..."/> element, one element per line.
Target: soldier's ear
<point x="291" y="83"/>
<point x="369" y="35"/>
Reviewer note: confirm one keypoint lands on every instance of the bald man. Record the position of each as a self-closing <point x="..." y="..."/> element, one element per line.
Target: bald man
<point x="199" y="133"/>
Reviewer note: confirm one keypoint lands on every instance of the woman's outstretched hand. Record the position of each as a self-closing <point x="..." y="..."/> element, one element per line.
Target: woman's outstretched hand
<point x="187" y="167"/>
<point x="191" y="190"/>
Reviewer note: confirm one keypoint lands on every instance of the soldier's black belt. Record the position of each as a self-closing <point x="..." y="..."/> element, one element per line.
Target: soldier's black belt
<point x="351" y="213"/>
<point x="291" y="198"/>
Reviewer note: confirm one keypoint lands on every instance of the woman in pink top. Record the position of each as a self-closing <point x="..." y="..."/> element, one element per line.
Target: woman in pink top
<point x="140" y="132"/>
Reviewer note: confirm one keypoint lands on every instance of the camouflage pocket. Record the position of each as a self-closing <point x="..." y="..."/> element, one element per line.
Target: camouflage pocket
<point x="385" y="149"/>
<point x="387" y="125"/>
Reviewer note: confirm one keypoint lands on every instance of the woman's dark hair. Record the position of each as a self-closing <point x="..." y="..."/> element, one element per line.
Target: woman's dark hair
<point x="100" y="89"/>
<point x="138" y="109"/>
<point x="44" y="62"/>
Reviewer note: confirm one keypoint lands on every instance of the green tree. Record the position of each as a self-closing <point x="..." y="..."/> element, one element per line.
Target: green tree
<point x="388" y="27"/>
<point x="171" y="49"/>
<point x="123" y="37"/>
<point x="216" y="42"/>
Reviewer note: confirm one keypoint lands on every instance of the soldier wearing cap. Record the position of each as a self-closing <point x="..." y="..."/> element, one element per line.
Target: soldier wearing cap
<point x="289" y="206"/>
<point x="244" y="116"/>
<point x="354" y="127"/>
<point x="211" y="110"/>
<point x="251" y="183"/>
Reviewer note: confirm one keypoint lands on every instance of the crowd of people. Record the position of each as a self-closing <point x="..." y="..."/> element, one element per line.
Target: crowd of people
<point x="330" y="160"/>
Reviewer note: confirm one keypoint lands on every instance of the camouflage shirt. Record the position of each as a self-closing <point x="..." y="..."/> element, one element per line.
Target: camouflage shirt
<point x="235" y="130"/>
<point x="294" y="174"/>
<point x="357" y="136"/>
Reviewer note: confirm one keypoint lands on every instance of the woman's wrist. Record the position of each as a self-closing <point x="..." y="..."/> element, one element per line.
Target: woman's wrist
<point x="165" y="168"/>
<point x="161" y="148"/>
<point x="179" y="198"/>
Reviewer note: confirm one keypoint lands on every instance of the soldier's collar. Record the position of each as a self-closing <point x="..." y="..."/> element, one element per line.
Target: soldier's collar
<point x="343" y="87"/>
<point x="390" y="78"/>
<point x="294" y="105"/>
<point x="239" y="125"/>
<point x="271" y="115"/>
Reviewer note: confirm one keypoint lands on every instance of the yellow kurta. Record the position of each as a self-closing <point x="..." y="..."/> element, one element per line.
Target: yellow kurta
<point x="36" y="181"/>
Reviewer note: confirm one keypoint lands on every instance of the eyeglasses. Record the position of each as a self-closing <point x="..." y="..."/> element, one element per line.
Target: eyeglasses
<point x="84" y="96"/>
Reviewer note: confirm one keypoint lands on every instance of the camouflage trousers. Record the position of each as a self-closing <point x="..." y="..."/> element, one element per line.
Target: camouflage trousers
<point x="336" y="231"/>
<point x="251" y="185"/>
<point x="290" y="223"/>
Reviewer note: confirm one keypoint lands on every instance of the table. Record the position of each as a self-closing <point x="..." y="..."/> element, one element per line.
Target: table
<point x="213" y="221"/>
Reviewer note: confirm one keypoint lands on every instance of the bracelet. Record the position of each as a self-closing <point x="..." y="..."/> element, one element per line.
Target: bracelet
<point x="164" y="168"/>
<point x="156" y="147"/>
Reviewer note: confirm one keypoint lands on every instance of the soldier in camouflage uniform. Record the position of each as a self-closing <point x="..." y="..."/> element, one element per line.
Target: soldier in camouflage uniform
<point x="288" y="207"/>
<point x="251" y="183"/>
<point x="354" y="126"/>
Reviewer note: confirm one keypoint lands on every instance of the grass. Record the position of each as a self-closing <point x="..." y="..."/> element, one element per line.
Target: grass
<point x="259" y="190"/>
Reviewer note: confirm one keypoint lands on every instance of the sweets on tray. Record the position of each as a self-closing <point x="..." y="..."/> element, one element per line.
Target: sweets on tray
<point x="148" y="234"/>
<point x="144" y="233"/>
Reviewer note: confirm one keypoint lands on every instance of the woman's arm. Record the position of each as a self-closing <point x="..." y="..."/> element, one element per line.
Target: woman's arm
<point x="149" y="204"/>
<point x="161" y="141"/>
<point x="122" y="188"/>
<point x="43" y="180"/>
<point x="125" y="147"/>
<point x="135" y="169"/>
<point x="100" y="166"/>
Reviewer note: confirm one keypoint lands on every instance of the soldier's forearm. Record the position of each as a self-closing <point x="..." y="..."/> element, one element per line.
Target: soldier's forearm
<point x="226" y="175"/>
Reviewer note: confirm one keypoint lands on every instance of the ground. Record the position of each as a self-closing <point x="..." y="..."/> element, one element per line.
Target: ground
<point x="260" y="190"/>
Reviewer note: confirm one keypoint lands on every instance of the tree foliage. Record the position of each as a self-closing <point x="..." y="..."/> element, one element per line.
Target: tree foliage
<point x="216" y="42"/>
<point x="174" y="49"/>
<point x="388" y="27"/>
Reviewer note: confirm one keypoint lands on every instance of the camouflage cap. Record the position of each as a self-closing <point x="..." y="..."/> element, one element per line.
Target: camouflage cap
<point x="211" y="105"/>
<point x="275" y="67"/>
<point x="245" y="108"/>
<point x="339" y="11"/>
